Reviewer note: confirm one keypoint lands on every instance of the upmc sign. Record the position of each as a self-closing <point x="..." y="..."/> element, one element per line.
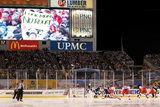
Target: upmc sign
<point x="71" y="46"/>
<point x="25" y="2"/>
<point x="23" y="45"/>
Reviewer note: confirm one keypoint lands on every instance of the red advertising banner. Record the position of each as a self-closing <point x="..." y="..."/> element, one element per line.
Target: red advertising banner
<point x="25" y="2"/>
<point x="23" y="45"/>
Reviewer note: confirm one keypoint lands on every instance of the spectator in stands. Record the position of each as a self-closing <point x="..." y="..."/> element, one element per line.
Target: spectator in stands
<point x="3" y="30"/>
<point x="60" y="35"/>
<point x="18" y="33"/>
<point x="4" y="18"/>
<point x="48" y="61"/>
<point x="56" y="17"/>
<point x="65" y="23"/>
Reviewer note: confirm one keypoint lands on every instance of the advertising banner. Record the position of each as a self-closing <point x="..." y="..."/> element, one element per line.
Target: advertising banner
<point x="61" y="93"/>
<point x="24" y="2"/>
<point x="37" y="93"/>
<point x="31" y="84"/>
<point x="71" y="46"/>
<point x="34" y="24"/>
<point x="72" y="3"/>
<point x="82" y="23"/>
<point x="23" y="45"/>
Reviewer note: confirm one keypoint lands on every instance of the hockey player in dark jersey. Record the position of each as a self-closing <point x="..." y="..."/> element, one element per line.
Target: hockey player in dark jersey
<point x="15" y="91"/>
<point x="139" y="91"/>
<point x="107" y="94"/>
<point x="89" y="91"/>
<point x="97" y="92"/>
<point x="156" y="90"/>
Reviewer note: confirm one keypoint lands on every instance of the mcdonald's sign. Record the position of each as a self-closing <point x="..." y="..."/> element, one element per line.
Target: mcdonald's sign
<point x="23" y="45"/>
<point x="15" y="45"/>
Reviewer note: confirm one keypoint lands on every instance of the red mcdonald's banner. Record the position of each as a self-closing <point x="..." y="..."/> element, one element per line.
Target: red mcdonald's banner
<point x="23" y="45"/>
<point x="25" y="2"/>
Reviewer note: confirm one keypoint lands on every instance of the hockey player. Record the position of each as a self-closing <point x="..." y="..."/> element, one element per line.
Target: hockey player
<point x="109" y="92"/>
<point x="106" y="92"/>
<point x="125" y="90"/>
<point x="97" y="92"/>
<point x="156" y="89"/>
<point x="88" y="88"/>
<point x="152" y="91"/>
<point x="112" y="91"/>
<point x="89" y="91"/>
<point x="139" y="91"/>
<point x="15" y="91"/>
<point x="20" y="91"/>
<point x="143" y="91"/>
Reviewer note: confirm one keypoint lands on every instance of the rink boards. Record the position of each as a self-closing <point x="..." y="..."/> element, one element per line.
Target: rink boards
<point x="57" y="93"/>
<point x="35" y="93"/>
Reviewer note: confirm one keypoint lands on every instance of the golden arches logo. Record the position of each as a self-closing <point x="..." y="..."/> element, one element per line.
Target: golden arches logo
<point x="15" y="45"/>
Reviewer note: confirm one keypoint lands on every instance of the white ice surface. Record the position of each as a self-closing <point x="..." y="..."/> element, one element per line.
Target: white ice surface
<point x="80" y="102"/>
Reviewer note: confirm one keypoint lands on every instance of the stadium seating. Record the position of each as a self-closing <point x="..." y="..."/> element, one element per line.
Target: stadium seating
<point x="43" y="60"/>
<point x="154" y="59"/>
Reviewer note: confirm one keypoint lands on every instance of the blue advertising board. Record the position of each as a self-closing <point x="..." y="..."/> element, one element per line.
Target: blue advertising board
<point x="71" y="46"/>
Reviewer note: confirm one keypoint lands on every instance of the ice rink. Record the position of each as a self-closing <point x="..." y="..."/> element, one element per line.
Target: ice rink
<point x="80" y="102"/>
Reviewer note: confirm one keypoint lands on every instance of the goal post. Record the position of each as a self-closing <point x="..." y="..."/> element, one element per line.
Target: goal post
<point x="76" y="92"/>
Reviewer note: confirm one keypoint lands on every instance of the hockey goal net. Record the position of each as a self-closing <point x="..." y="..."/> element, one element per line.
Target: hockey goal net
<point x="76" y="92"/>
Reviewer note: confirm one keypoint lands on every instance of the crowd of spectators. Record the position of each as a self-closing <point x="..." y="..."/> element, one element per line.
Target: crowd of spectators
<point x="118" y="60"/>
<point x="42" y="60"/>
<point x="27" y="59"/>
<point x="154" y="58"/>
<point x="31" y="61"/>
<point x="81" y="59"/>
